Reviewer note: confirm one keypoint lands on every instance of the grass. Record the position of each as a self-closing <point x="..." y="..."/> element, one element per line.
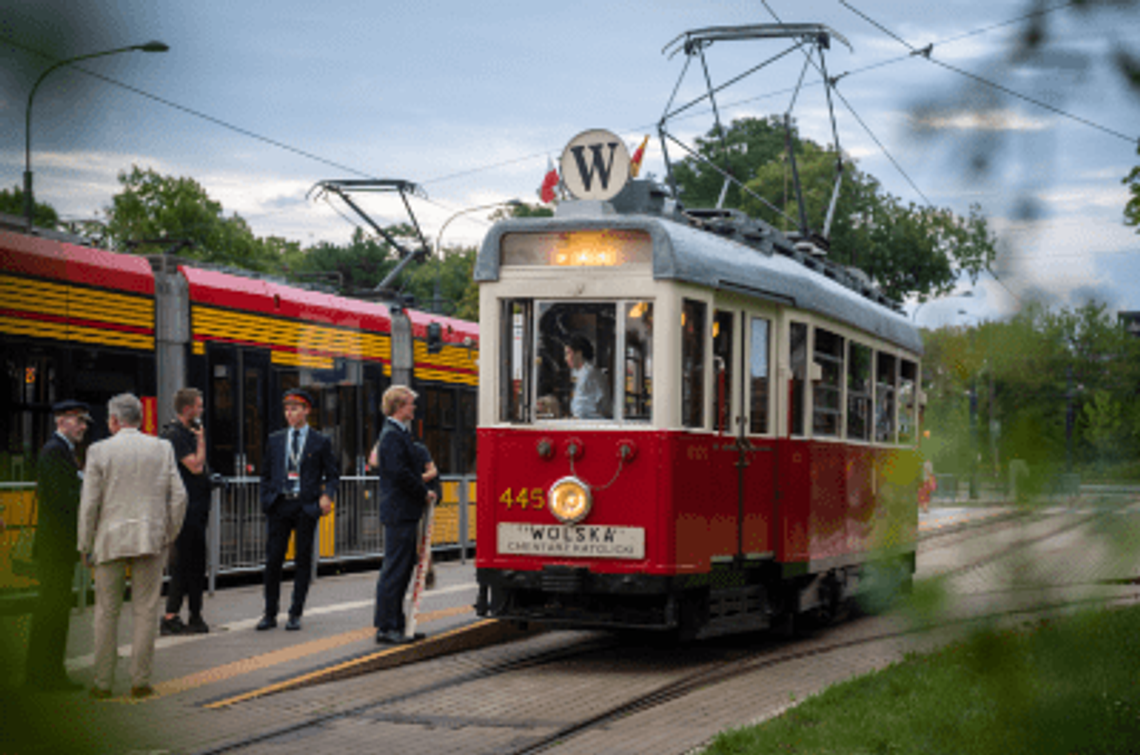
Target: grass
<point x="1064" y="686"/>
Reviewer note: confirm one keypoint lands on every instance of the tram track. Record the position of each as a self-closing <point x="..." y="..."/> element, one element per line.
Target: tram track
<point x="684" y="674"/>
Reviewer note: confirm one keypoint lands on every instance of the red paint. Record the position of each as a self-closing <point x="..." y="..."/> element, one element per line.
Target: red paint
<point x="682" y="488"/>
<point x="79" y="265"/>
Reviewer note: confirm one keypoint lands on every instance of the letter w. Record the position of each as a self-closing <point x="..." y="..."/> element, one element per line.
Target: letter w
<point x="599" y="164"/>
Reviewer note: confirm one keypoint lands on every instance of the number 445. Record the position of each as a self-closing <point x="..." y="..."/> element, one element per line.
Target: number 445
<point x="534" y="498"/>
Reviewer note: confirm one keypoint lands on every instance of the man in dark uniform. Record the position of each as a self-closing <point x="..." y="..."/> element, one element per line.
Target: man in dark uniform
<point x="298" y="483"/>
<point x="56" y="552"/>
<point x="188" y="557"/>
<point x="403" y="494"/>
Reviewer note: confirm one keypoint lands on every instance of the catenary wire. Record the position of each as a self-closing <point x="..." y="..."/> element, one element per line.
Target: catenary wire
<point x="926" y="53"/>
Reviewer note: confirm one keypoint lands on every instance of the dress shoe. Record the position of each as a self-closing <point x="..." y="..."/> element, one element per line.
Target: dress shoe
<point x="171" y="626"/>
<point x="196" y="626"/>
<point x="391" y="638"/>
<point x="267" y="622"/>
<point x="98" y="693"/>
<point x="293" y="624"/>
<point x="141" y="691"/>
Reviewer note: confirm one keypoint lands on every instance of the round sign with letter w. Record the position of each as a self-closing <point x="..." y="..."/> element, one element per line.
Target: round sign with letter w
<point x="595" y="165"/>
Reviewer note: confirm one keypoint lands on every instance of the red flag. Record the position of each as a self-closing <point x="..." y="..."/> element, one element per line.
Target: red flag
<point x="546" y="193"/>
<point x="635" y="161"/>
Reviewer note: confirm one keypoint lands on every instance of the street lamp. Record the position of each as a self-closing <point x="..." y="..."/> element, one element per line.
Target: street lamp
<point x="963" y="295"/>
<point x="437" y="301"/>
<point x="29" y="202"/>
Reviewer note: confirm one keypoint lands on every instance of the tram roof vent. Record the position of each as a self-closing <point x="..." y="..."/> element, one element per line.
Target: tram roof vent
<point x="732" y="224"/>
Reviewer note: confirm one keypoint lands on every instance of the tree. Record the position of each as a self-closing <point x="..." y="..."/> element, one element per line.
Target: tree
<point x="905" y="248"/>
<point x="1020" y="370"/>
<point x="1132" y="209"/>
<point x="152" y="206"/>
<point x="43" y="215"/>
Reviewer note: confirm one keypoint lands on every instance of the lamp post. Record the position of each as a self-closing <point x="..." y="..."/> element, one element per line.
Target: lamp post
<point x="963" y="295"/>
<point x="437" y="301"/>
<point x="29" y="202"/>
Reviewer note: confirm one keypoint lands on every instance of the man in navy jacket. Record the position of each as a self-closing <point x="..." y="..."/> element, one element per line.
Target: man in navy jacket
<point x="403" y="495"/>
<point x="55" y="551"/>
<point x="299" y="478"/>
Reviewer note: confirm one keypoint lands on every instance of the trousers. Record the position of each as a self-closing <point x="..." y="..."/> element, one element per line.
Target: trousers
<point x="284" y="519"/>
<point x="146" y="589"/>
<point x="399" y="562"/>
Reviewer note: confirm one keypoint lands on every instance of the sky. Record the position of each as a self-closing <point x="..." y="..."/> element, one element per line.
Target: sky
<point x="258" y="101"/>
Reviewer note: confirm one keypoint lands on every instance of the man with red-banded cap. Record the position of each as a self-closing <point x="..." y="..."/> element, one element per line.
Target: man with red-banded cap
<point x="299" y="478"/>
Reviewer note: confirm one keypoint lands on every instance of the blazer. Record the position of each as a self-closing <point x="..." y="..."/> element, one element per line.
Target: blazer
<point x="403" y="494"/>
<point x="133" y="500"/>
<point x="319" y="471"/>
<point x="57" y="503"/>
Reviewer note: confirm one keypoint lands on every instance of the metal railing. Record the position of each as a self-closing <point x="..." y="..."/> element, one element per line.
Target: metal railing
<point x="237" y="532"/>
<point x="235" y="540"/>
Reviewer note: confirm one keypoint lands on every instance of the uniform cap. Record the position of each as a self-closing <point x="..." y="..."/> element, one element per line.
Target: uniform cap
<point x="299" y="396"/>
<point x="71" y="406"/>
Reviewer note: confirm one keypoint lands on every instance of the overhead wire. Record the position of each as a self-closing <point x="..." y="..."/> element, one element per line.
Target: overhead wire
<point x="474" y="171"/>
<point x="927" y="53"/>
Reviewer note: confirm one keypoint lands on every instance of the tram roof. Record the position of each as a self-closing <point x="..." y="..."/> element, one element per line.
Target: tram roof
<point x="685" y="253"/>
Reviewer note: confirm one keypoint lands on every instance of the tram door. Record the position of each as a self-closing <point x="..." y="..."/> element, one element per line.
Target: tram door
<point x="236" y="405"/>
<point x="741" y="359"/>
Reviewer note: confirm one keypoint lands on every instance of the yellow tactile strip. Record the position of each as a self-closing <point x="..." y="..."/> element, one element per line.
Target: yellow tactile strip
<point x="266" y="660"/>
<point x="479" y="634"/>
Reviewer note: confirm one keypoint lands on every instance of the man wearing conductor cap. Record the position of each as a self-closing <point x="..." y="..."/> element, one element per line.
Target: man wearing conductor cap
<point x="299" y="478"/>
<point x="57" y="509"/>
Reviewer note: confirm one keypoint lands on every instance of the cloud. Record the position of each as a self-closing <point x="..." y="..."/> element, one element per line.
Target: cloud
<point x="977" y="120"/>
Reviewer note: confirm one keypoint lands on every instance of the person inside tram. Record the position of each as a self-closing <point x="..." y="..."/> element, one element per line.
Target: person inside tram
<point x="588" y="400"/>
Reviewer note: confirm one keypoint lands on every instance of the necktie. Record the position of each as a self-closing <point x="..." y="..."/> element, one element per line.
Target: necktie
<point x="294" y="460"/>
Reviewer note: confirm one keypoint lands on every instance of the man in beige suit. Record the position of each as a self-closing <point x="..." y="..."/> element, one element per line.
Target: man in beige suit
<point x="130" y="511"/>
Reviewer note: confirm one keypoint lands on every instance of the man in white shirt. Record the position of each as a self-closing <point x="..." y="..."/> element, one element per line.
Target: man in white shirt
<point x="589" y="398"/>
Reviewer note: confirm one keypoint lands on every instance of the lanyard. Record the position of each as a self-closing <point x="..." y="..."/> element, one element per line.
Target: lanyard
<point x="295" y="458"/>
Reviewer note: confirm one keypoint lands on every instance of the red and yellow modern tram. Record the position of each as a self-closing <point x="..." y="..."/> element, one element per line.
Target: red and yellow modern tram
<point x="688" y="422"/>
<point x="83" y="323"/>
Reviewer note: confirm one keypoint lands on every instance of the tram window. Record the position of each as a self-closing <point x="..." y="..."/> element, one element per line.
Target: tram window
<point x="468" y="403"/>
<point x="350" y="449"/>
<point x="722" y="369"/>
<point x="886" y="379"/>
<point x="515" y="356"/>
<point x="638" y="361"/>
<point x="827" y="410"/>
<point x="693" y="363"/>
<point x="908" y="400"/>
<point x="859" y="392"/>
<point x="221" y="426"/>
<point x="439" y="426"/>
<point x="576" y="345"/>
<point x="797" y="355"/>
<point x="760" y="376"/>
<point x="254" y="423"/>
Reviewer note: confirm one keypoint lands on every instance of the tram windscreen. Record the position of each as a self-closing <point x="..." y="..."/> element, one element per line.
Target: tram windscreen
<point x="577" y="361"/>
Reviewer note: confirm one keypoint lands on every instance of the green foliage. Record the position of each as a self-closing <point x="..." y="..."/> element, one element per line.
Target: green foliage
<point x="1020" y="371"/>
<point x="1061" y="687"/>
<point x="358" y="265"/>
<point x="1132" y="209"/>
<point x="458" y="294"/>
<point x="152" y="206"/>
<point x="43" y="215"/>
<point x="522" y="210"/>
<point x="905" y="248"/>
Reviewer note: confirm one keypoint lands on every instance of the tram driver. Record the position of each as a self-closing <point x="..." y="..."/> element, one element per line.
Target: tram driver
<point x="588" y="400"/>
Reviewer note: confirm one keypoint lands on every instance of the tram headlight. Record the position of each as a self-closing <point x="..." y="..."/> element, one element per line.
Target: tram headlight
<point x="570" y="500"/>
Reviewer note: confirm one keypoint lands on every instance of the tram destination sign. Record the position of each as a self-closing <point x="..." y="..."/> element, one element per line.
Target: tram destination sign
<point x="574" y="541"/>
<point x="595" y="165"/>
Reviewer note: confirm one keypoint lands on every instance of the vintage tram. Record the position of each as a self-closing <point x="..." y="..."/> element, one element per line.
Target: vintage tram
<point x="751" y="456"/>
<point x="84" y="323"/>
